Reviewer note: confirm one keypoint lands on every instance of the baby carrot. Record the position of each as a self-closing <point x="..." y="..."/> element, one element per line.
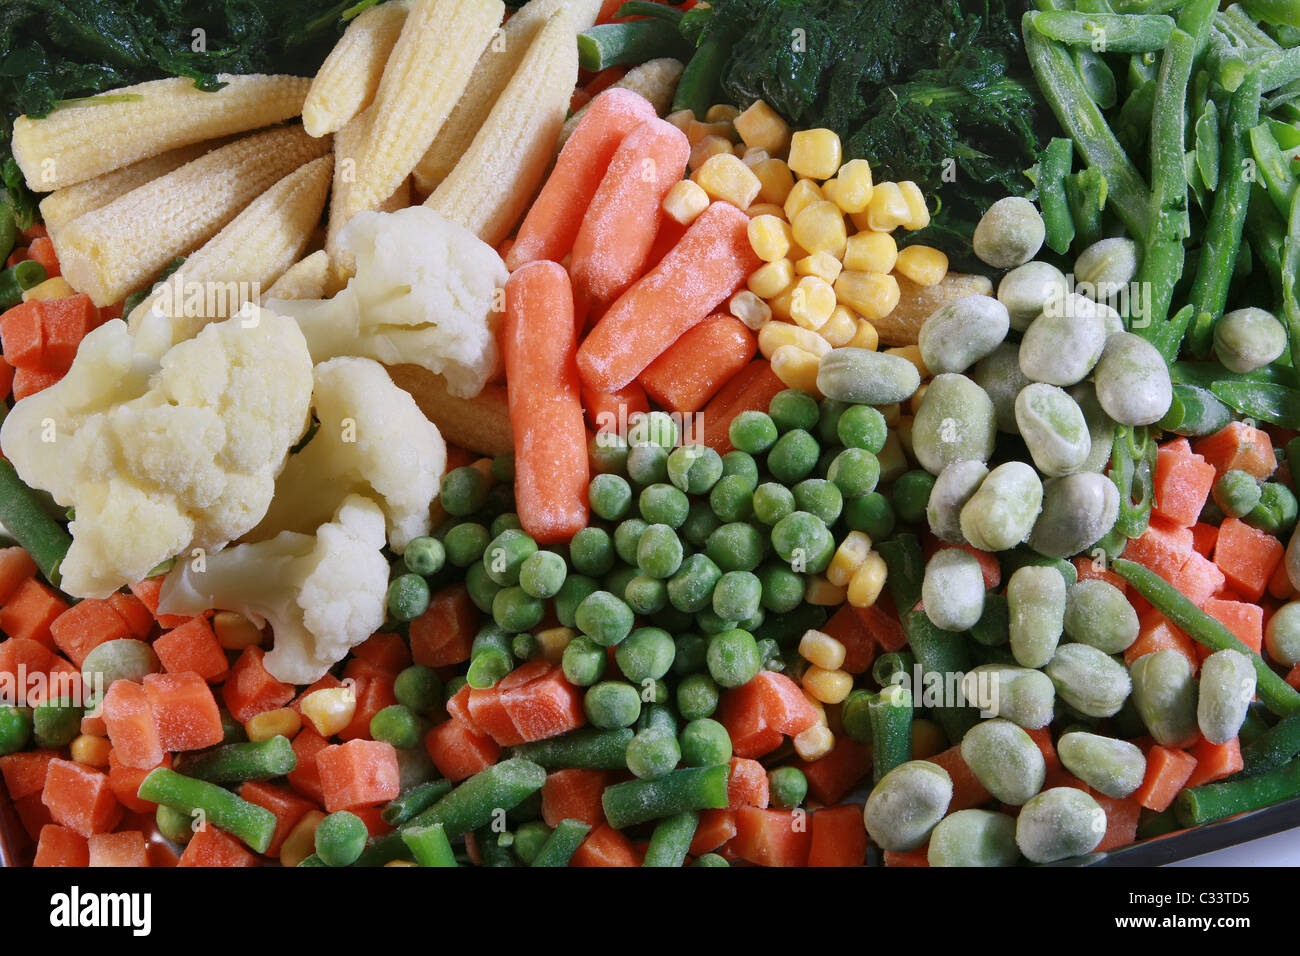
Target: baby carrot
<point x="551" y="469"/>
<point x="618" y="231"/>
<point x="750" y="390"/>
<point x="686" y="376"/>
<point x="552" y="223"/>
<point x="613" y="410"/>
<point x="710" y="262"/>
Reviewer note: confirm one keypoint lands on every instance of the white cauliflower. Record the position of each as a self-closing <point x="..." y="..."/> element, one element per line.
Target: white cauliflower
<point x="423" y="294"/>
<point x="160" y="457"/>
<point x="373" y="440"/>
<point x="322" y="594"/>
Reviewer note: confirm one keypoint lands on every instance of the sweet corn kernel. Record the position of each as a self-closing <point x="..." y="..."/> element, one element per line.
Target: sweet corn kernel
<point x="817" y="590"/>
<point x="872" y="295"/>
<point x="765" y="209"/>
<point x="696" y="131"/>
<point x="865" y="337"/>
<point x="782" y="304"/>
<point x="828" y="686"/>
<point x="707" y="148"/>
<point x="848" y="557"/>
<point x="776" y="179"/>
<point x="817" y="705"/>
<point x="55" y="288"/>
<point x="330" y="709"/>
<point x="823" y="265"/>
<point x="814" y="743"/>
<point x="853" y="186"/>
<point x="89" y="750"/>
<point x="923" y="265"/>
<point x="797" y="368"/>
<point x="819" y="648"/>
<point x="918" y="212"/>
<point x="682" y="119"/>
<point x="904" y="431"/>
<point x="769" y="237"/>
<point x="750" y="309"/>
<point x="891" y="414"/>
<point x="234" y="631"/>
<point x="722" y="113"/>
<point x="752" y="156"/>
<point x="281" y="722"/>
<point x="301" y="841"/>
<point x="685" y="201"/>
<point x="871" y="252"/>
<point x="914" y="403"/>
<point x="553" y="641"/>
<point x="401" y="863"/>
<point x="888" y="208"/>
<point x="819" y="227"/>
<point x="762" y="127"/>
<point x="927" y="739"/>
<point x="869" y="579"/>
<point x="812" y="302"/>
<point x="769" y="281"/>
<point x="892" y="460"/>
<point x="815" y="153"/>
<point x="840" y="327"/>
<point x="776" y="335"/>
<point x="725" y="177"/>
<point x="913" y="354"/>
<point x="802" y="195"/>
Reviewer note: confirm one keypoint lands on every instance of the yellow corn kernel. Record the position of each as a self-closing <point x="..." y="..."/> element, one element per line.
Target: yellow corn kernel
<point x="840" y="327"/>
<point x="682" y="119"/>
<point x="553" y="641"/>
<point x="888" y="208"/>
<point x="90" y="751"/>
<point x="927" y="739"/>
<point x="923" y="265"/>
<point x="685" y="201"/>
<point x="776" y="179"/>
<point x="769" y="281"/>
<point x="782" y="304"/>
<point x="765" y="209"/>
<point x="904" y="431"/>
<point x="815" y="153"/>
<point x="872" y="295"/>
<point x="814" y="743"/>
<point x="802" y="194"/>
<point x="817" y="590"/>
<point x="706" y="149"/>
<point x="762" y="127"/>
<point x="892" y="460"/>
<point x="401" y="863"/>
<point x="751" y="156"/>
<point x="865" y="337"/>
<point x="869" y="579"/>
<point x="769" y="237"/>
<point x="281" y="722"/>
<point x="234" y="631"/>
<point x="798" y="369"/>
<point x="812" y="302"/>
<point x="871" y="252"/>
<point x="891" y="414"/>
<point x="721" y="113"/>
<point x="819" y="227"/>
<point x="56" y="288"/>
<point x="913" y="354"/>
<point x="914" y="403"/>
<point x="330" y="709"/>
<point x="823" y="265"/>
<point x="849" y="556"/>
<point x="817" y="705"/>
<point x="750" y="309"/>
<point x="822" y="650"/>
<point x="828" y="686"/>
<point x="853" y="186"/>
<point x="301" y="841"/>
<point x="776" y="335"/>
<point x="696" y="131"/>
<point x="918" y="211"/>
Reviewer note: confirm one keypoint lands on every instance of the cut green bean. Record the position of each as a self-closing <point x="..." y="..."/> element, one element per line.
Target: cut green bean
<point x="616" y="44"/>
<point x="245" y="821"/>
<point x="1214" y="801"/>
<point x="475" y="802"/>
<point x="585" y="749"/>
<point x="1114" y="33"/>
<point x="890" y="714"/>
<point x="671" y="840"/>
<point x="1053" y="166"/>
<point x="429" y="845"/>
<point x="944" y="654"/>
<point x="562" y="843"/>
<point x="1274" y="747"/>
<point x="415" y="801"/>
<point x="241" y="762"/>
<point x="637" y="801"/>
<point x="30" y="524"/>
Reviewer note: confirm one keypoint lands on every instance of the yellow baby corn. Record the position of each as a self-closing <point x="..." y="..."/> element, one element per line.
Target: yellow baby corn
<point x="349" y="78"/>
<point x="345" y="200"/>
<point x="309" y="278"/>
<point x="480" y="424"/>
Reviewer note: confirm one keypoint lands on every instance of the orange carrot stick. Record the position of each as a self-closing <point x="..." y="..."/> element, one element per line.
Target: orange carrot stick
<point x="711" y="261"/>
<point x="551" y="469"/>
<point x="751" y="390"/>
<point x="611" y="412"/>
<point x="552" y="223"/>
<point x="686" y="376"/>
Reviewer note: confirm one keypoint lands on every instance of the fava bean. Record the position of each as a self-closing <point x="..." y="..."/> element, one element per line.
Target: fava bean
<point x="867" y="378"/>
<point x="952" y="489"/>
<point x="1036" y="602"/>
<point x="962" y="332"/>
<point x="1077" y="512"/>
<point x="1282" y="634"/>
<point x="1247" y="339"/>
<point x="999" y="374"/>
<point x="974" y="838"/>
<point x="1054" y="429"/>
<point x="1226" y="688"/>
<point x="1002" y="512"/>
<point x="907" y="804"/>
<point x="1164" y="692"/>
<point x="953" y="590"/>
<point x="1005" y="759"/>
<point x="1101" y="427"/>
<point x="1105" y="267"/>
<point x="1089" y="680"/>
<point x="956" y="422"/>
<point x="1098" y="613"/>
<point x="1059" y="823"/>
<point x="1009" y="234"/>
<point x="1027" y="290"/>
<point x="1113" y="767"/>
<point x="1063" y="344"/>
<point x="1132" y="380"/>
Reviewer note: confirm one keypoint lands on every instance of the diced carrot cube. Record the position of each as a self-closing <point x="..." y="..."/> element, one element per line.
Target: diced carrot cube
<point x="193" y="648"/>
<point x="785" y="708"/>
<point x="459" y="751"/>
<point x="1121" y="822"/>
<point x="912" y="858"/>
<point x="41" y="249"/>
<point x="1168" y="771"/>
<point x="747" y="784"/>
<point x="287" y="806"/>
<point x="6" y="378"/>
<point x="741" y="712"/>
<point x="1182" y="484"/>
<point x="772" y="837"/>
<point x="359" y="773"/>
<point x="16" y="566"/>
<point x="882" y="623"/>
<point x="715" y="828"/>
<point x="184" y="711"/>
<point x="1163" y="547"/>
<point x="132" y="725"/>
<point x="1214" y="761"/>
<point x="374" y="693"/>
<point x="1090" y="569"/>
<point x="834" y="775"/>
<point x="1197" y="579"/>
<point x="24" y="772"/>
<point x="33" y="814"/>
<point x="80" y="798"/>
<point x="443" y="634"/>
<point x="86" y="625"/>
<point x="125" y="781"/>
<point x="22" y="336"/>
<point x="606" y="846"/>
<point x="385" y="650"/>
<point x="1157" y="633"/>
<point x="1245" y="621"/>
<point x="850" y="630"/>
<point x="124" y="848"/>
<point x="139" y="619"/>
<point x="574" y="795"/>
<point x="66" y="322"/>
<point x="211" y="847"/>
<point x="29" y="381"/>
<point x="30" y="611"/>
<point x="1247" y="557"/>
<point x="59" y="846"/>
<point x="20" y="658"/>
<point x="148" y="592"/>
<point x="545" y="707"/>
<point x="305" y="778"/>
<point x="458" y="706"/>
<point x="250" y="690"/>
<point x="488" y="712"/>
<point x="1238" y="447"/>
<point x="839" y="837"/>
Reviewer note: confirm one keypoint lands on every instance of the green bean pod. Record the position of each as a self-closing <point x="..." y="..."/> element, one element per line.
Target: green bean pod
<point x="414" y="802"/>
<point x="585" y="749"/>
<point x="429" y="845"/>
<point x="890" y="715"/>
<point x="671" y="840"/>
<point x="692" y="788"/>
<point x="562" y="843"/>
<point x="1214" y="801"/>
<point x="245" y="821"/>
<point x="474" y="803"/>
<point x="241" y="762"/>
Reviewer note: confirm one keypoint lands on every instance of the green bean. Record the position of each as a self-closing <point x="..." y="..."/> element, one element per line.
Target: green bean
<point x="562" y="843"/>
<point x="1274" y="747"/>
<point x="245" y="821"/>
<point x="907" y="804"/>
<point x="1214" y="801"/>
<point x="993" y="629"/>
<point x="905" y="563"/>
<point x="1119" y="33"/>
<point x="414" y="801"/>
<point x="698" y="88"/>
<point x="1195" y="412"/>
<point x="429" y="845"/>
<point x="1132" y="470"/>
<point x="1113" y="767"/>
<point x="1271" y="403"/>
<point x="943" y="653"/>
<point x="671" y="840"/>
<point x="30" y="524"/>
<point x="1059" y="823"/>
<point x="974" y="838"/>
<point x="1086" y="191"/>
<point x="584" y="749"/>
<point x="615" y="44"/>
<point x="8" y="231"/>
<point x="1054" y="165"/>
<point x="475" y="802"/>
<point x="1097" y="76"/>
<point x="240" y="762"/>
<point x="692" y="788"/>
<point x="890" y="715"/>
<point x="887" y="668"/>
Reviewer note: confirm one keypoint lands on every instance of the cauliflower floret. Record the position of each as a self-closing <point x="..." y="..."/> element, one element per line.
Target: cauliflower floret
<point x="158" y="457"/>
<point x="423" y="294"/>
<point x="322" y="594"/>
<point x="372" y="440"/>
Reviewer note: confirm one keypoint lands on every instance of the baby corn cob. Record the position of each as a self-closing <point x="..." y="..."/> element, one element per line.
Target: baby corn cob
<point x="309" y="278"/>
<point x="120" y="247"/>
<point x="425" y="77"/>
<point x="133" y="123"/>
<point x="480" y="424"/>
<point x="491" y="74"/>
<point x="252" y="251"/>
<point x="656" y="80"/>
<point x="347" y="80"/>
<point x="491" y="186"/>
<point x="345" y="200"/>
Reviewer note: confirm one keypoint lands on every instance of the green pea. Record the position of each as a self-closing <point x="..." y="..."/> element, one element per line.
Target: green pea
<point x="591" y="551"/>
<point x="396" y="725"/>
<point x="697" y="696"/>
<point x="783" y="589"/>
<point x="788" y="787"/>
<point x="691" y="588"/>
<point x="652" y="753"/>
<point x="122" y="659"/>
<point x="610" y="497"/>
<point x="646" y="595"/>
<point x="15" y="729"/>
<point x="646" y="654"/>
<point x="735" y="547"/>
<point x="654" y="428"/>
<point x="865" y="377"/>
<point x="699" y="524"/>
<point x="408" y="597"/>
<point x="753" y="432"/>
<point x="419" y="688"/>
<point x="1054" y="429"/>
<point x="506" y="554"/>
<point x="647" y="464"/>
<point x="1282" y="635"/>
<point x="708" y="622"/>
<point x="742" y="464"/>
<point x="55" y="723"/>
<point x="425" y="556"/>
<point x="737" y="596"/>
<point x="1164" y="693"/>
<point x="1077" y="512"/>
<point x="465" y="543"/>
<point x="1059" y="823"/>
<point x="482" y="589"/>
<point x="1009" y="234"/>
<point x="612" y="704"/>
<point x="855" y="472"/>
<point x="819" y="497"/>
<point x="871" y="514"/>
<point x="955" y="486"/>
<point x="1019" y="694"/>
<point x="1112" y="767"/>
<point x="1236" y="492"/>
<point x="577" y="588"/>
<point x="514" y="609"/>
<point x="962" y="332"/>
<point x="627" y="539"/>
<point x="956" y="421"/>
<point x="1003" y="510"/>
<point x="1036" y="598"/>
<point x="607" y="453"/>
<point x="604" y="618"/>
<point x="772" y="502"/>
<point x="659" y="551"/>
<point x="793" y="457"/>
<point x="911" y="493"/>
<point x="974" y="838"/>
<point x="464" y="491"/>
<point x="340" y="838"/>
<point x="1277" y="510"/>
<point x="655" y="716"/>
<point x="542" y="574"/>
<point x="664" y="504"/>
<point x="1027" y="289"/>
<point x="793" y="409"/>
<point x="953" y="590"/>
<point x="861" y="426"/>
<point x="705" y="743"/>
<point x="694" y="468"/>
<point x="733" y="658"/>
<point x="1098" y="613"/>
<point x="1005" y="759"/>
<point x="1226" y="688"/>
<point x="583" y="661"/>
<point x="732" y="498"/>
<point x="907" y="804"/>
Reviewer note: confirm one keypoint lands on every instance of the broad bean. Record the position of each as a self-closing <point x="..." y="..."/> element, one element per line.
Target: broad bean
<point x="1089" y="680"/>
<point x="1036" y="601"/>
<point x="907" y="804"/>
<point x="956" y="421"/>
<point x="1002" y="512"/>
<point x="962" y="332"/>
<point x="1005" y="760"/>
<point x="1054" y="429"/>
<point x="952" y="489"/>
<point x="1164" y="693"/>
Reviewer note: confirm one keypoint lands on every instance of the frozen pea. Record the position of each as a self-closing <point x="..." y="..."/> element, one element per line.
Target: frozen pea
<point x="1036" y="602"/>
<point x="1101" y="427"/>
<point x="1054" y="429"/>
<point x="1078" y="511"/>
<point x="1059" y="823"/>
<point x="907" y="804"/>
<point x="1026" y="290"/>
<point x="1089" y="680"/>
<point x="1009" y="234"/>
<point x="952" y="489"/>
<point x="1063" y="344"/>
<point x="1164" y="693"/>
<point x="1098" y="613"/>
<point x="956" y="421"/>
<point x="1132" y="380"/>
<point x="953" y="590"/>
<point x="1005" y="760"/>
<point x="1247" y="339"/>
<point x="1022" y="695"/>
<point x="1113" y="767"/>
<point x="1282" y="634"/>
<point x="1002" y="512"/>
<point x="974" y="838"/>
<point x="1105" y="267"/>
<point x="999" y="374"/>
<point x="1226" y="688"/>
<point x="864" y="377"/>
<point x="962" y="332"/>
